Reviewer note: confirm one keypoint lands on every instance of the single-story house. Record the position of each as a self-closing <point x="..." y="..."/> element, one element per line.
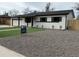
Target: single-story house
<point x="50" y="20"/>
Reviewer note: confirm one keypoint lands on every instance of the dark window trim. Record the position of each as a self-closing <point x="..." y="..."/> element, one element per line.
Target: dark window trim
<point x="47" y="22"/>
<point x="54" y="21"/>
<point x="42" y="18"/>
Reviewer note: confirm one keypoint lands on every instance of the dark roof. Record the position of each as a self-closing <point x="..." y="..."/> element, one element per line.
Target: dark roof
<point x="61" y="12"/>
<point x="4" y="16"/>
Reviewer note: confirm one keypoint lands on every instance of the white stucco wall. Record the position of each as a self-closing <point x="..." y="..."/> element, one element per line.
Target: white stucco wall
<point x="22" y="22"/>
<point x="11" y="22"/>
<point x="50" y="25"/>
<point x="70" y="16"/>
<point x="15" y="22"/>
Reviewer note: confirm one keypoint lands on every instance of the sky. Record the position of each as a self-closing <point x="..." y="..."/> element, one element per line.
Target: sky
<point x="40" y="6"/>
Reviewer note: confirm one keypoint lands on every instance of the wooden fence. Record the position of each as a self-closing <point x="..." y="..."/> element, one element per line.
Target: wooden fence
<point x="73" y="24"/>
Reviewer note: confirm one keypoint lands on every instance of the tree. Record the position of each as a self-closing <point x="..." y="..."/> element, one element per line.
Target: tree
<point x="51" y="9"/>
<point x="26" y="11"/>
<point x="5" y="13"/>
<point x="47" y="7"/>
<point x="77" y="8"/>
<point x="13" y="12"/>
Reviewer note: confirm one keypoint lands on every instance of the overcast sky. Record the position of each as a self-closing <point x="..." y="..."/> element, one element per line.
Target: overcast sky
<point x="5" y="6"/>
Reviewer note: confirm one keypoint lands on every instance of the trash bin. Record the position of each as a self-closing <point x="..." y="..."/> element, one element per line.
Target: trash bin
<point x="23" y="29"/>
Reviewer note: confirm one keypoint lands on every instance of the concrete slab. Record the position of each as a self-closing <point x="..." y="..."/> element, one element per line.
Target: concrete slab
<point x="5" y="52"/>
<point x="3" y="26"/>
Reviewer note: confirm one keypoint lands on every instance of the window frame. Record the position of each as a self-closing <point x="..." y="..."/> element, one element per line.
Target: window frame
<point x="42" y="19"/>
<point x="56" y="21"/>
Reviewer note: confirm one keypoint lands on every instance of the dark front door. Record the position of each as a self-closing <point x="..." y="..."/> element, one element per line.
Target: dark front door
<point x="28" y="20"/>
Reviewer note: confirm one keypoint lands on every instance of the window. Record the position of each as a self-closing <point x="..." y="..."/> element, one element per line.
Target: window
<point x="56" y="19"/>
<point x="43" y="19"/>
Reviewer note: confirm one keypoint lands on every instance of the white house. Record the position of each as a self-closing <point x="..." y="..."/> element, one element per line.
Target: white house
<point x="50" y="20"/>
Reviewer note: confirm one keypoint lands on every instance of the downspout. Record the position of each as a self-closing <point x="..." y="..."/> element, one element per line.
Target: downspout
<point x="12" y="22"/>
<point x="32" y="22"/>
<point x="18" y="21"/>
<point x="66" y="23"/>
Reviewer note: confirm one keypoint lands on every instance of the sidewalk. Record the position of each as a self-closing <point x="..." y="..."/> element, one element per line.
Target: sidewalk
<point x="8" y="29"/>
<point x="5" y="52"/>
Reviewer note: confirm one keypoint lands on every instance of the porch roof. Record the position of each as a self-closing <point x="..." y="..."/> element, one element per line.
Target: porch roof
<point x="5" y="16"/>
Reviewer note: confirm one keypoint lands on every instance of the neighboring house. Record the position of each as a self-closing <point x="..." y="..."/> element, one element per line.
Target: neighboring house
<point x="50" y="20"/>
<point x="8" y="21"/>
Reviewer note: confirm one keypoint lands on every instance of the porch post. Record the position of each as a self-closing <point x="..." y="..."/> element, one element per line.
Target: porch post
<point x="18" y="21"/>
<point x="66" y="23"/>
<point x="12" y="22"/>
<point x="31" y="22"/>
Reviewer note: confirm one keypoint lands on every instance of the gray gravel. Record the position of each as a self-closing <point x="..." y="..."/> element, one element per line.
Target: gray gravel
<point x="54" y="43"/>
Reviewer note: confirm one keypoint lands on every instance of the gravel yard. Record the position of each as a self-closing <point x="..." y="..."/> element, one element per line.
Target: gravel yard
<point x="54" y="43"/>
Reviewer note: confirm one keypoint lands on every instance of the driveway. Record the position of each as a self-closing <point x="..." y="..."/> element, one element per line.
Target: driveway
<point x="54" y="43"/>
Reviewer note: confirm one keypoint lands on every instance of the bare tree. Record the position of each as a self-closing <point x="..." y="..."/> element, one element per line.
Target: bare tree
<point x="77" y="8"/>
<point x="51" y="9"/>
<point x="4" y="12"/>
<point x="13" y="12"/>
<point x="26" y="11"/>
<point x="47" y="7"/>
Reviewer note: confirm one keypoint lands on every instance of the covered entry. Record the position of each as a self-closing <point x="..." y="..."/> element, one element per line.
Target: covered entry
<point x="29" y="21"/>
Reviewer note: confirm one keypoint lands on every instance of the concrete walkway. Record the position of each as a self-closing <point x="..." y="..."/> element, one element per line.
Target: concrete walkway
<point x="5" y="52"/>
<point x="8" y="29"/>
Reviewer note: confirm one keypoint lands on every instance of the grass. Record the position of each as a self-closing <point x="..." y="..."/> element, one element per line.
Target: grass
<point x="9" y="33"/>
<point x="30" y="30"/>
<point x="16" y="32"/>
